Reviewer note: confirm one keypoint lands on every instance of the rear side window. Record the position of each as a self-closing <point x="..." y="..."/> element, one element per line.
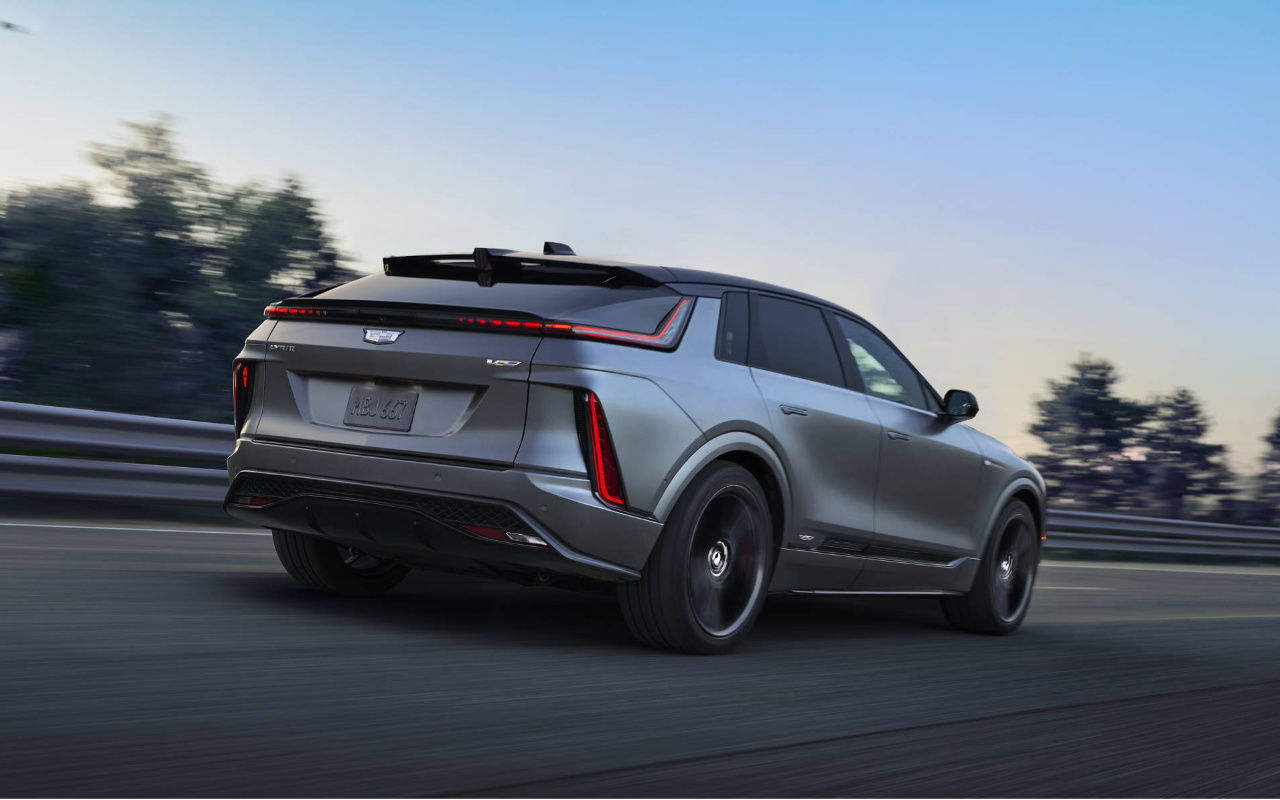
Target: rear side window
<point x="731" y="344"/>
<point x="792" y="338"/>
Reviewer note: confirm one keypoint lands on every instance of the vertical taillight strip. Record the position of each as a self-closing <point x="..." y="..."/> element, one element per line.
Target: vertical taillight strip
<point x="241" y="392"/>
<point x="602" y="460"/>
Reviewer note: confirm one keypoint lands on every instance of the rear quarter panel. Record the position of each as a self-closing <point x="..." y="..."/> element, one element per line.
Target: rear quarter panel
<point x="661" y="406"/>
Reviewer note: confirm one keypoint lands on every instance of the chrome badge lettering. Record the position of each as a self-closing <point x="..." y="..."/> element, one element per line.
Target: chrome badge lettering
<point x="380" y="336"/>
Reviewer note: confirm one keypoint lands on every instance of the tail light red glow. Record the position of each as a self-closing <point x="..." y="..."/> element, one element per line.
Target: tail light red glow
<point x="664" y="338"/>
<point x="606" y="478"/>
<point x="241" y="392"/>
<point x="277" y="312"/>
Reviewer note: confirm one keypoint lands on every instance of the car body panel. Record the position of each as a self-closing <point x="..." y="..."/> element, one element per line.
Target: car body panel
<point x="929" y="474"/>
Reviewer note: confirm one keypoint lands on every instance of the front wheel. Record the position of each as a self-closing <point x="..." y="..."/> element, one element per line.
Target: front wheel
<point x="324" y="565"/>
<point x="705" y="582"/>
<point x="1001" y="593"/>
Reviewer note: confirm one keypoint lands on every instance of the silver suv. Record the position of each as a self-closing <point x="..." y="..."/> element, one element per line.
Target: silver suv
<point x="692" y="439"/>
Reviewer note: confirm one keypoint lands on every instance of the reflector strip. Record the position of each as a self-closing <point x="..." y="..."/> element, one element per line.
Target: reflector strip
<point x="508" y="537"/>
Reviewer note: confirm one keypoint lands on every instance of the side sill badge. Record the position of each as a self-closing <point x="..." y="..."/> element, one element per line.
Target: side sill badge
<point x="498" y="362"/>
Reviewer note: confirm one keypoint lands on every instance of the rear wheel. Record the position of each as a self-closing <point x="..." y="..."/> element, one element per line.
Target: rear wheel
<point x="705" y="582"/>
<point x="321" y="564"/>
<point x="1001" y="593"/>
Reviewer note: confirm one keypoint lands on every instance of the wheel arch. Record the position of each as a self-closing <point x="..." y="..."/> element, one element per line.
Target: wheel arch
<point x="751" y="453"/>
<point x="1021" y="488"/>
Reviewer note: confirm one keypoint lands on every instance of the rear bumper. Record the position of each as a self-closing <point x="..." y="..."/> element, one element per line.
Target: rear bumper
<point x="411" y="510"/>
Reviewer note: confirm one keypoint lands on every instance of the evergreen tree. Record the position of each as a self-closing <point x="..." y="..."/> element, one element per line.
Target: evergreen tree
<point x="1266" y="500"/>
<point x="1091" y="435"/>
<point x="1178" y="464"/>
<point x="139" y="303"/>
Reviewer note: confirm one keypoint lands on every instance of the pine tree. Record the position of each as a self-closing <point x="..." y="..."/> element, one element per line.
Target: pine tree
<point x="1091" y="434"/>
<point x="1178" y="465"/>
<point x="1266" y="499"/>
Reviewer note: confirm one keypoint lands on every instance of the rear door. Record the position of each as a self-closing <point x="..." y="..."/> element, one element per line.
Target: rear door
<point x="828" y="437"/>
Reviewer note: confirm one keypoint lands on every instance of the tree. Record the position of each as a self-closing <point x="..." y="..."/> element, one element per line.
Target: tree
<point x="1091" y="434"/>
<point x="138" y="302"/>
<point x="1177" y="464"/>
<point x="1266" y="499"/>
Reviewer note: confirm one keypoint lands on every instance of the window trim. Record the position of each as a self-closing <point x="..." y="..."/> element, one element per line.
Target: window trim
<point x="933" y="403"/>
<point x="724" y="322"/>
<point x="753" y="315"/>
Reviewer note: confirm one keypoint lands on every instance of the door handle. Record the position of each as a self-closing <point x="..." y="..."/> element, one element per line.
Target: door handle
<point x="902" y="437"/>
<point x="786" y="409"/>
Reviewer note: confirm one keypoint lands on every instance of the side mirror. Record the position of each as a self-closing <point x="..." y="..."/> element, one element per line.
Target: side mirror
<point x="959" y="405"/>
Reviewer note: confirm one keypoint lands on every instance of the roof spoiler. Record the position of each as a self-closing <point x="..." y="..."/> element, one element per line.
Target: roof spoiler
<point x="490" y="265"/>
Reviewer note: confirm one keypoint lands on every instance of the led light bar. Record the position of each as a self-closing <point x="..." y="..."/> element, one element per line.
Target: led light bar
<point x="666" y="337"/>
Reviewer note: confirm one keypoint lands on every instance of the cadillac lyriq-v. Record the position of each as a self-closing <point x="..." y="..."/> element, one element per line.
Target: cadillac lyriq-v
<point x="689" y="440"/>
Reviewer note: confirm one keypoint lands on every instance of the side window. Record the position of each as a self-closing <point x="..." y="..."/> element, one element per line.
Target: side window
<point x="884" y="373"/>
<point x="793" y="338"/>
<point x="731" y="344"/>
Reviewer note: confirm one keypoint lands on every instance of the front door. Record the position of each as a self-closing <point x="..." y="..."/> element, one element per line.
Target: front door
<point x="927" y="490"/>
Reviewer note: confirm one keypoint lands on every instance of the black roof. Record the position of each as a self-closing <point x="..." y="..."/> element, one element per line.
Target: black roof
<point x="652" y="272"/>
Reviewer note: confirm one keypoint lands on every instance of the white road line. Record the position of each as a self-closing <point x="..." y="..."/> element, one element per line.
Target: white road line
<point x="1077" y="588"/>
<point x="61" y="526"/>
<point x="1266" y="571"/>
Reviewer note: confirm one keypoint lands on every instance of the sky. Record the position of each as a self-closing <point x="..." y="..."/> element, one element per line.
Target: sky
<point x="1000" y="187"/>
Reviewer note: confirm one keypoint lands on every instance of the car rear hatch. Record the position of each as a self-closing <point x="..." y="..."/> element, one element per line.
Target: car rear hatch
<point x="432" y="358"/>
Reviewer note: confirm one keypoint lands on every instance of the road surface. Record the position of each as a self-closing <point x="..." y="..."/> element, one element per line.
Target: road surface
<point x="177" y="661"/>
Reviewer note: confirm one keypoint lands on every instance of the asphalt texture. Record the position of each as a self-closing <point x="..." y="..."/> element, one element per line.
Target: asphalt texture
<point x="183" y="661"/>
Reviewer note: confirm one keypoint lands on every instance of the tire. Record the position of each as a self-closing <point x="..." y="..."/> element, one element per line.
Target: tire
<point x="997" y="602"/>
<point x="705" y="582"/>
<point x="320" y="564"/>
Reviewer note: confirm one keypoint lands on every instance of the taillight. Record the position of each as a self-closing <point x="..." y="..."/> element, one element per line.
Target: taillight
<point x="666" y="337"/>
<point x="602" y="460"/>
<point x="241" y="392"/>
<point x="279" y="312"/>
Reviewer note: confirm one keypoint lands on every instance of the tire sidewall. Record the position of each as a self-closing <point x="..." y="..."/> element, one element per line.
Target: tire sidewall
<point x="677" y="544"/>
<point x="1014" y="510"/>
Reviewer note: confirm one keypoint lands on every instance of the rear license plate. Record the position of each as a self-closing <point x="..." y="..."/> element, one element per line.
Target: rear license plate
<point x="389" y="409"/>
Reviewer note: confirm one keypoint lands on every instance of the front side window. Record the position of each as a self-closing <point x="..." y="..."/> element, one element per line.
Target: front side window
<point x="884" y="373"/>
<point x="793" y="338"/>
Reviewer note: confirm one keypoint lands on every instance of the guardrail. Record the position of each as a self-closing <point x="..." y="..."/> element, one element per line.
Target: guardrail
<point x="78" y="433"/>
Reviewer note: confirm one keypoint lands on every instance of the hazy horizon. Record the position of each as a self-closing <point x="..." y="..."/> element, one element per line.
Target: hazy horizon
<point x="999" y="187"/>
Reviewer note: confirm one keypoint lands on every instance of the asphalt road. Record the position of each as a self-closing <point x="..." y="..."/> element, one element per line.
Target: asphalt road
<point x="186" y="663"/>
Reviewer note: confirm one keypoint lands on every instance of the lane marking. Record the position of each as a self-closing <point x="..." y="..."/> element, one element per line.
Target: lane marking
<point x="1078" y="588"/>
<point x="1263" y="571"/>
<point x="225" y="532"/>
<point x="1182" y="618"/>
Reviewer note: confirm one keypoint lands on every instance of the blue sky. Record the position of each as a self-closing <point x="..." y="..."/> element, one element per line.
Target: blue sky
<point x="1000" y="186"/>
